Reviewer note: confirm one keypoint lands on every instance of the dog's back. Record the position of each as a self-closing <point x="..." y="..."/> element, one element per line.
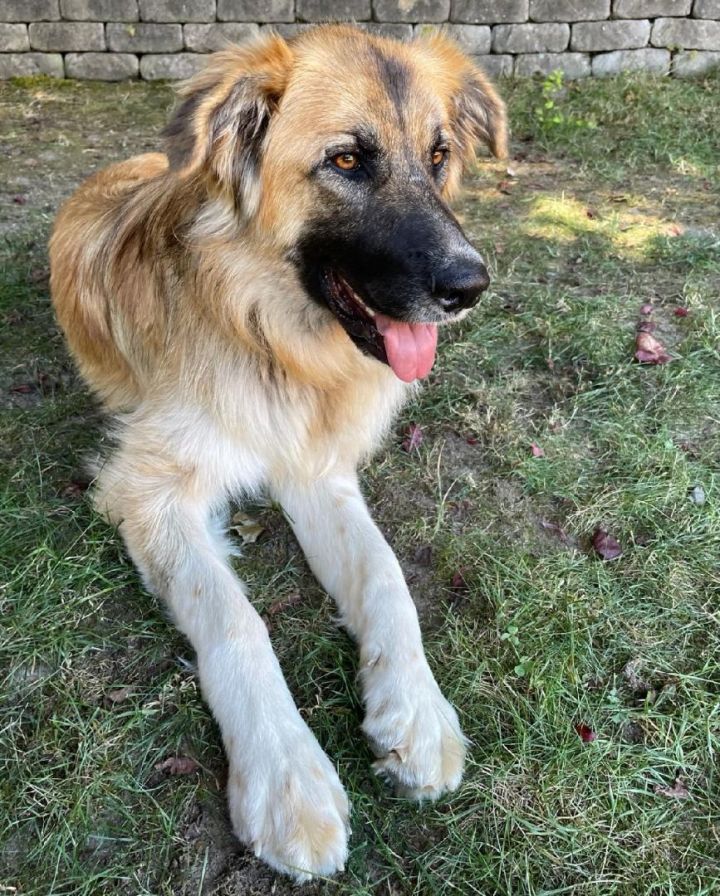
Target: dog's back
<point x="100" y="313"/>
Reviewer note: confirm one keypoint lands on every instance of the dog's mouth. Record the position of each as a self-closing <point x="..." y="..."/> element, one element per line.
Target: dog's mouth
<point x="408" y="348"/>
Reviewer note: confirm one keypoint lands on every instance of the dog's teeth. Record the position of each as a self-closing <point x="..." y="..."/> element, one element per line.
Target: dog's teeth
<point x="363" y="305"/>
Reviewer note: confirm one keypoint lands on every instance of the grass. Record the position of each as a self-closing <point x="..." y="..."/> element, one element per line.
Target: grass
<point x="611" y="206"/>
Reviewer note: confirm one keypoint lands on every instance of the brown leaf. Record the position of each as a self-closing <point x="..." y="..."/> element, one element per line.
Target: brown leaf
<point x="607" y="546"/>
<point x="557" y="528"/>
<point x="177" y="765"/>
<point x="413" y="437"/>
<point x="678" y="791"/>
<point x="118" y="695"/>
<point x="591" y="213"/>
<point x="505" y="186"/>
<point x="282" y="603"/>
<point x="76" y="488"/>
<point x="458" y="583"/>
<point x="649" y="350"/>
<point x="536" y="450"/>
<point x="23" y="388"/>
<point x="19" y="200"/>
<point x="246" y="527"/>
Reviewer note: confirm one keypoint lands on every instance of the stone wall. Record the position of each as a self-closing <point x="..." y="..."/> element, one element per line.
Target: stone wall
<point x="152" y="39"/>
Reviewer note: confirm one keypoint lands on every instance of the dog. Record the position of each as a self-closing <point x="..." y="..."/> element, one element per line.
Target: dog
<point x="252" y="306"/>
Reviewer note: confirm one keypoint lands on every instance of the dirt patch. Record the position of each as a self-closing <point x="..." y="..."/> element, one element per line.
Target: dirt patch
<point x="55" y="135"/>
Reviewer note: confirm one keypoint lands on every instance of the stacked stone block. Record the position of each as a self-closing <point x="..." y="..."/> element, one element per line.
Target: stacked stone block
<point x="153" y="39"/>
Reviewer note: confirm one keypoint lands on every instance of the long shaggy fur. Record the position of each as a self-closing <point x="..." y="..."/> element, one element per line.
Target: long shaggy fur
<point x="174" y="279"/>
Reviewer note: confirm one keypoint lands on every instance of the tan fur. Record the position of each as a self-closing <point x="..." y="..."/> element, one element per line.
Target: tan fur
<point x="171" y="280"/>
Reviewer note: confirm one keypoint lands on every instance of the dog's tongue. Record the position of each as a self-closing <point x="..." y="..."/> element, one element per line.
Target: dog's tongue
<point x="410" y="348"/>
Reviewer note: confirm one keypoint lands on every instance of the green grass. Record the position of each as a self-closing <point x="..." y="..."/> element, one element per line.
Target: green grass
<point x="613" y="206"/>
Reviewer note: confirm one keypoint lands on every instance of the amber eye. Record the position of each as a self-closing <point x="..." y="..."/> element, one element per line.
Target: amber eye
<point x="438" y="157"/>
<point x="346" y="161"/>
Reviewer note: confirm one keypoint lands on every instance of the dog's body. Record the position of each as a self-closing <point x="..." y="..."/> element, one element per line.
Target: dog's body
<point x="205" y="295"/>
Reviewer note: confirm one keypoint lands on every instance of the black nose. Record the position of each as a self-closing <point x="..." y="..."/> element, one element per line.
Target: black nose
<point x="460" y="284"/>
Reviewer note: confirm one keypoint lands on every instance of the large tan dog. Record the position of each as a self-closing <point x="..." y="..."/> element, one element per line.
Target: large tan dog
<point x="252" y="305"/>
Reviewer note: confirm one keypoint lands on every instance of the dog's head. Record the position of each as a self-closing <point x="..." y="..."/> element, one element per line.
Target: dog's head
<point x="343" y="149"/>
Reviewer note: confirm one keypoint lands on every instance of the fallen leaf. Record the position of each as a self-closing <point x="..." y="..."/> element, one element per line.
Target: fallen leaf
<point x="591" y="213"/>
<point x="118" y="695"/>
<point x="458" y="583"/>
<point x="648" y="350"/>
<point x="511" y="172"/>
<point x="675" y="230"/>
<point x="536" y="450"/>
<point x="413" y="437"/>
<point x="177" y="765"/>
<point x="290" y="600"/>
<point x="505" y="186"/>
<point x="678" y="791"/>
<point x="76" y="488"/>
<point x="246" y="527"/>
<point x="557" y="528"/>
<point x="680" y="312"/>
<point x="585" y="733"/>
<point x="423" y="555"/>
<point x="607" y="546"/>
<point x="19" y="200"/>
<point x="472" y="440"/>
<point x="647" y="308"/>
<point x="22" y="388"/>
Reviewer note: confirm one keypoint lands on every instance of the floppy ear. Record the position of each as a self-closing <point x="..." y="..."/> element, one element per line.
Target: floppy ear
<point x="219" y="127"/>
<point x="480" y="116"/>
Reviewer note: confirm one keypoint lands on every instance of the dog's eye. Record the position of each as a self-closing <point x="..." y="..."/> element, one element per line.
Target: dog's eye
<point x="438" y="157"/>
<point x="346" y="161"/>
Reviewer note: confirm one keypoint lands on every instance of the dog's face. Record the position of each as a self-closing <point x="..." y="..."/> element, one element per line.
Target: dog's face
<point x="342" y="150"/>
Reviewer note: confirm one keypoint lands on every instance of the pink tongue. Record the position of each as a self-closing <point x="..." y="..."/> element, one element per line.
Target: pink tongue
<point x="410" y="348"/>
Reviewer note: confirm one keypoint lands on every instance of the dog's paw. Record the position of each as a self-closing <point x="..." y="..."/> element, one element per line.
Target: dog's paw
<point x="290" y="808"/>
<point x="414" y="732"/>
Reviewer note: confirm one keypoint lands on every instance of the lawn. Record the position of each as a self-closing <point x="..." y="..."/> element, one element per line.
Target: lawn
<point x="590" y="687"/>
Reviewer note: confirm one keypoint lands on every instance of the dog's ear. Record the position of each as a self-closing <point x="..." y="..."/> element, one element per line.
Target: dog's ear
<point x="480" y="116"/>
<point x="220" y="125"/>
<point x="475" y="111"/>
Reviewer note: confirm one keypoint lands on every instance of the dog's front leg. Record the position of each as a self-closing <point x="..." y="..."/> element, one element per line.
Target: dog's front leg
<point x="286" y="801"/>
<point x="410" y="725"/>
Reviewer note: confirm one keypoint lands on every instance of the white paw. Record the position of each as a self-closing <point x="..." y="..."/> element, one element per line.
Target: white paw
<point x="288" y="805"/>
<point x="413" y="730"/>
